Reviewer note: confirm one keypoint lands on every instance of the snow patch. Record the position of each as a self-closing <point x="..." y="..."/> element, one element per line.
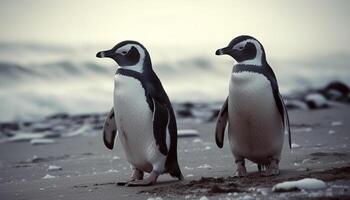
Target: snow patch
<point x="295" y="146"/>
<point x="337" y="123"/>
<point x="204" y="166"/>
<point x="40" y="141"/>
<point x="197" y="140"/>
<point x="203" y="198"/>
<point x="48" y="176"/>
<point x="303" y="184"/>
<point x="54" y="168"/>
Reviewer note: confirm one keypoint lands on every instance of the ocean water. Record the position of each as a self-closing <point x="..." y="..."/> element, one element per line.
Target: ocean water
<point x="38" y="80"/>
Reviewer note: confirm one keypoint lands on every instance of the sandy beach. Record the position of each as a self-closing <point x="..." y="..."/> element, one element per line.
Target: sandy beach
<point x="80" y="167"/>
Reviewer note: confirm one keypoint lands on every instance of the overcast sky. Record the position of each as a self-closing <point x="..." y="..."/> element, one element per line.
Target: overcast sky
<point x="287" y="28"/>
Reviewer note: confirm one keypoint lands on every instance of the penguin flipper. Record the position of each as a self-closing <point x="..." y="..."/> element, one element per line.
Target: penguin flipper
<point x="161" y="119"/>
<point x="285" y="118"/>
<point x="221" y="124"/>
<point x="109" y="130"/>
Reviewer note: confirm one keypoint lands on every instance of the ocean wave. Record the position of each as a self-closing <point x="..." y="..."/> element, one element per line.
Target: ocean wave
<point x="34" y="86"/>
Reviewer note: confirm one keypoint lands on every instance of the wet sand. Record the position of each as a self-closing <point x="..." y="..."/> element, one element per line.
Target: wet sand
<point x="89" y="170"/>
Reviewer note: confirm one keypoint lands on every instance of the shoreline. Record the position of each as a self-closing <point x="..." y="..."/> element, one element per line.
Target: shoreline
<point x="89" y="170"/>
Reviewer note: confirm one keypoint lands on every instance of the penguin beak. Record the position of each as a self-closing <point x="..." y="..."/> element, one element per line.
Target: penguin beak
<point x="104" y="54"/>
<point x="222" y="51"/>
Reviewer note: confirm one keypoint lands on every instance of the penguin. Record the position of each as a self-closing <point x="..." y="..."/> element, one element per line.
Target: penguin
<point x="254" y="110"/>
<point x="142" y="116"/>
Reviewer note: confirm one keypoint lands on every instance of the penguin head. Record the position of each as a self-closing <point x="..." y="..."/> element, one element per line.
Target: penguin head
<point x="245" y="50"/>
<point x="128" y="54"/>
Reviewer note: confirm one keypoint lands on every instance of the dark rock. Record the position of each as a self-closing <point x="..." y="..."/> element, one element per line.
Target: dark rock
<point x="337" y="91"/>
<point x="296" y="104"/>
<point x="42" y="129"/>
<point x="58" y="116"/>
<point x="184" y="113"/>
<point x="9" y="126"/>
<point x="316" y="101"/>
<point x="188" y="105"/>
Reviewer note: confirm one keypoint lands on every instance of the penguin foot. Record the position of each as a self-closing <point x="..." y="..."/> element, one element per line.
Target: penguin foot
<point x="146" y="182"/>
<point x="241" y="170"/>
<point x="272" y="169"/>
<point x="136" y="175"/>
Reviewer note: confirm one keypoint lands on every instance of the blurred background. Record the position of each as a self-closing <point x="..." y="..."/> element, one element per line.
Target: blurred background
<point x="48" y="48"/>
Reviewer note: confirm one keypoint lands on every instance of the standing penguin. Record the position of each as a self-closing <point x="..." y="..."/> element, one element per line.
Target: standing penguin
<point x="254" y="110"/>
<point x="142" y="115"/>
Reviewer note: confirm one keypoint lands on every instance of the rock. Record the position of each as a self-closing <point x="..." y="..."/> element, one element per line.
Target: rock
<point x="9" y="126"/>
<point x="58" y="116"/>
<point x="184" y="113"/>
<point x="337" y="91"/>
<point x="296" y="104"/>
<point x="316" y="100"/>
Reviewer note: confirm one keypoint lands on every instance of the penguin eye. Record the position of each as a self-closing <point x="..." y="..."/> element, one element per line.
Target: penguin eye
<point x="240" y="47"/>
<point x="124" y="52"/>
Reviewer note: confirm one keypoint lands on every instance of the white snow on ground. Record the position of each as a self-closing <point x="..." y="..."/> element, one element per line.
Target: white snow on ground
<point x="204" y="166"/>
<point x="48" y="176"/>
<point x="294" y="146"/>
<point x="197" y="140"/>
<point x="204" y="198"/>
<point x="155" y="198"/>
<point x="303" y="184"/>
<point x="54" y="168"/>
<point x="39" y="141"/>
<point x="337" y="123"/>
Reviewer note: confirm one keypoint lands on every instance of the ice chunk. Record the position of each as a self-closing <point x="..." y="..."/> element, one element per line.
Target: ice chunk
<point x="295" y="146"/>
<point x="54" y="168"/>
<point x="337" y="123"/>
<point x="48" y="176"/>
<point x="116" y="158"/>
<point x="203" y="198"/>
<point x="303" y="184"/>
<point x="197" y="140"/>
<point x="156" y="198"/>
<point x="204" y="166"/>
<point x="39" y="141"/>
<point x="112" y="171"/>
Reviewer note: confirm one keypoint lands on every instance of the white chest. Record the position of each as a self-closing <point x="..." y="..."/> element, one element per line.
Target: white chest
<point x="129" y="98"/>
<point x="255" y="126"/>
<point x="134" y="121"/>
